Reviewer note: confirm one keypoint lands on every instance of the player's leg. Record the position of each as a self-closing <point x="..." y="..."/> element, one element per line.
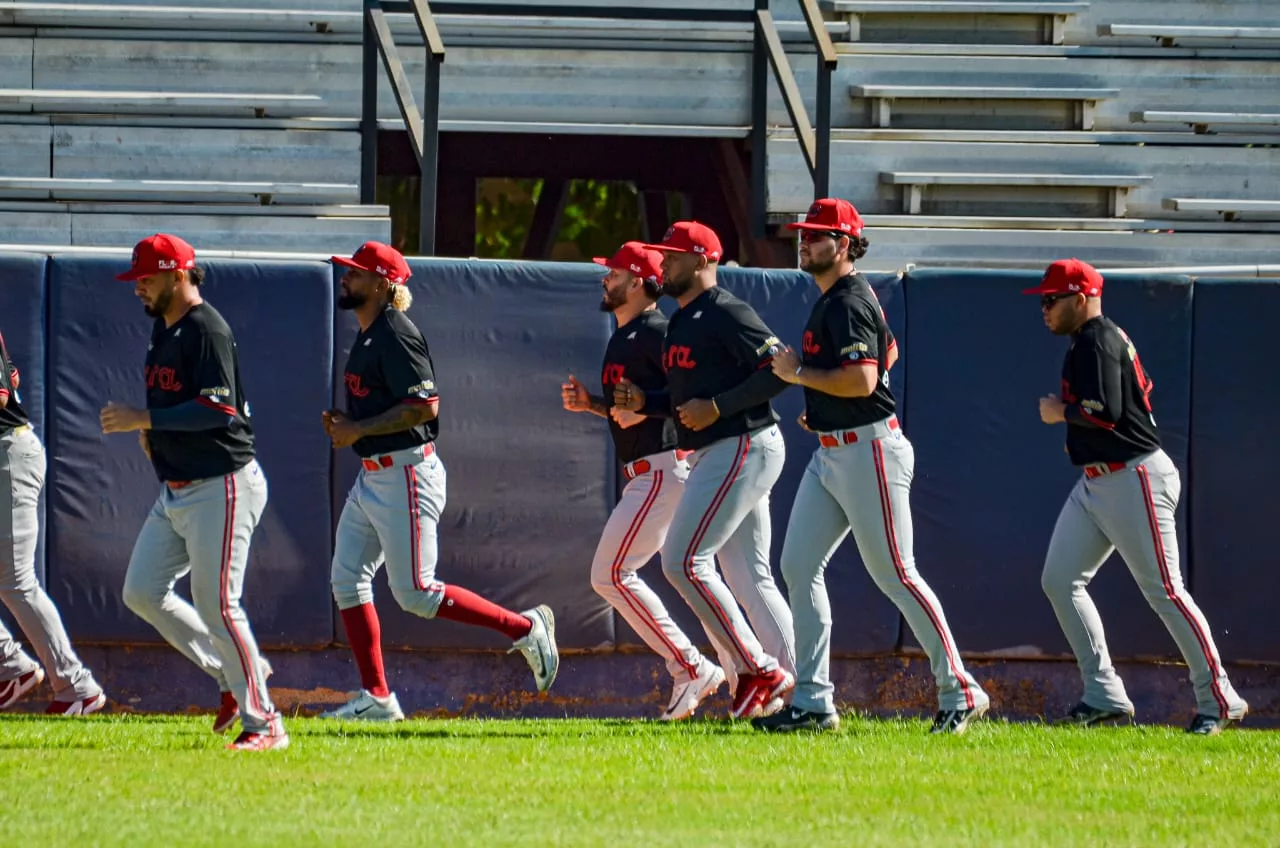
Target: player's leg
<point x="217" y="519"/>
<point x="745" y="560"/>
<point x="816" y="528"/>
<point x="159" y="559"/>
<point x="1137" y="511"/>
<point x="1077" y="550"/>
<point x="404" y="504"/>
<point x="632" y="535"/>
<point x="872" y="481"/>
<point x="722" y="488"/>
<point x="22" y="469"/>
<point x="357" y="556"/>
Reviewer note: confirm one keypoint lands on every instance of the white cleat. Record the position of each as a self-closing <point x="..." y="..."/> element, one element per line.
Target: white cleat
<point x="539" y="646"/>
<point x="686" y="696"/>
<point x="367" y="707"/>
<point x="12" y="690"/>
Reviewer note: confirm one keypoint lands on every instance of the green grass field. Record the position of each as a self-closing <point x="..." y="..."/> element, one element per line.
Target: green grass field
<point x="150" y="780"/>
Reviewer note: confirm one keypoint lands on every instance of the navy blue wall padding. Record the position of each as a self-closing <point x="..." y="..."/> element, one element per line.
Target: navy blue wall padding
<point x="529" y="484"/>
<point x="863" y="621"/>
<point x="1235" y="465"/>
<point x="991" y="478"/>
<point x="102" y="487"/>
<point x="22" y="291"/>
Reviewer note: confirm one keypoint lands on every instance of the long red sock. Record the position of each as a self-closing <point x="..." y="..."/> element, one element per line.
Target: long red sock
<point x="365" y="634"/>
<point x="469" y="608"/>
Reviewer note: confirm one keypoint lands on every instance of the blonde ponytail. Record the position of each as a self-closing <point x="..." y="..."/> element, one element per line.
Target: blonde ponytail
<point x="401" y="298"/>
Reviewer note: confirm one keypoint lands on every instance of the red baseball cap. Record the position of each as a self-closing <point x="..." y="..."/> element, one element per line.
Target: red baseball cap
<point x="157" y="253"/>
<point x="833" y="215"/>
<point x="636" y="258"/>
<point x="691" y="237"/>
<point x="382" y="259"/>
<point x="1069" y="276"/>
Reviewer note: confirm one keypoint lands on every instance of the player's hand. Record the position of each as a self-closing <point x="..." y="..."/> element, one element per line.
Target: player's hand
<point x="1052" y="409"/>
<point x="14" y="377"/>
<point x="625" y="418"/>
<point x="628" y="395"/>
<point x="117" y="418"/>
<point x="698" y="414"/>
<point x="144" y="442"/>
<point x="574" y="395"/>
<point x="803" y="421"/>
<point x="785" y="362"/>
<point x="326" y="420"/>
<point x="343" y="432"/>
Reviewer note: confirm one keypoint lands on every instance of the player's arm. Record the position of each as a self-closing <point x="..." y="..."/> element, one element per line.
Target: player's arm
<point x="13" y="374"/>
<point x="575" y="398"/>
<point x="752" y="343"/>
<point x="1096" y="384"/>
<point x="408" y="371"/>
<point x="214" y="405"/>
<point x="854" y="335"/>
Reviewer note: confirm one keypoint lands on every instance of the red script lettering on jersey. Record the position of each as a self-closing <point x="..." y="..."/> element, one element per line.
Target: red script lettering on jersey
<point x="613" y="374"/>
<point x="164" y="377"/>
<point x="354" y="385"/>
<point x="678" y="356"/>
<point x="808" y="345"/>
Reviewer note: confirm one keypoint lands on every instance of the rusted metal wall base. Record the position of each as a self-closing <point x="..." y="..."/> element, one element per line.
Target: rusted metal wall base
<point x="155" y="679"/>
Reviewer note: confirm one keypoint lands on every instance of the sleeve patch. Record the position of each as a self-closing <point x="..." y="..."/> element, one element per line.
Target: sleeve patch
<point x="770" y="346"/>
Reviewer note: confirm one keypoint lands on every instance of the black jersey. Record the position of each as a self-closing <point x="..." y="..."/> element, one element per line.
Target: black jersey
<point x="635" y="352"/>
<point x="390" y="364"/>
<point x="847" y="329"/>
<point x="12" y="415"/>
<point x="1108" y="397"/>
<point x="713" y="344"/>
<point x="195" y="360"/>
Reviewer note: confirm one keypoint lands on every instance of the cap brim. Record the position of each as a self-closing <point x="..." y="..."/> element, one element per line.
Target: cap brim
<point x="600" y="260"/>
<point x="824" y="228"/>
<point x="347" y="263"/>
<point x="666" y="248"/>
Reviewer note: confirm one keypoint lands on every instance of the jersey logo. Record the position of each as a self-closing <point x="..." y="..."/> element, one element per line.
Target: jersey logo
<point x="808" y="345"/>
<point x="697" y="315"/>
<point x="678" y="356"/>
<point x="355" y="385"/>
<point x="368" y="342"/>
<point x="613" y="374"/>
<point x="632" y="336"/>
<point x="177" y="332"/>
<point x="164" y="378"/>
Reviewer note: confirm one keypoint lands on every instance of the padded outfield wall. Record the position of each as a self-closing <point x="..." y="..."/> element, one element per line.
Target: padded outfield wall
<point x="530" y="485"/>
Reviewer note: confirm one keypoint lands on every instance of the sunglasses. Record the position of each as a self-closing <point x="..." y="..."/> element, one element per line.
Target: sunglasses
<point x="1048" y="300"/>
<point x="810" y="236"/>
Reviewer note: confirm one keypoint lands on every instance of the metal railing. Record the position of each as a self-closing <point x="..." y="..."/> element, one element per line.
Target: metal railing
<point x="423" y="125"/>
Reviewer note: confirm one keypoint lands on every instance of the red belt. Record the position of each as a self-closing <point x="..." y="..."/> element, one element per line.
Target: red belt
<point x="847" y="437"/>
<point x="1098" y="469"/>
<point x="634" y="469"/>
<point x="377" y="463"/>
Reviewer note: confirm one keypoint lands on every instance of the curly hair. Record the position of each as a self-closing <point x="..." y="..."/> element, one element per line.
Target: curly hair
<point x="858" y="247"/>
<point x="196" y="276"/>
<point x="401" y="298"/>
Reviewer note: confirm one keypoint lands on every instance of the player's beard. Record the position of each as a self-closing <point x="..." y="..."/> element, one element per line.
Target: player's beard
<point x="672" y="287"/>
<point x="613" y="299"/>
<point x="351" y="300"/>
<point x="815" y="267"/>
<point x="161" y="304"/>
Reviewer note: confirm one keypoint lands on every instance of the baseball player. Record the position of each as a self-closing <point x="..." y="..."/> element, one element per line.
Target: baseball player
<point x="858" y="479"/>
<point x="394" y="507"/>
<point x="716" y="353"/>
<point x="22" y="469"/>
<point x="1125" y="500"/>
<point x="195" y="430"/>
<point x="654" y="470"/>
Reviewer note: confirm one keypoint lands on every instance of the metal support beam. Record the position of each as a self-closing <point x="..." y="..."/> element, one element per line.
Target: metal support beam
<point x="369" y="108"/>
<point x="760" y="124"/>
<point x="429" y="160"/>
<point x="544" y="229"/>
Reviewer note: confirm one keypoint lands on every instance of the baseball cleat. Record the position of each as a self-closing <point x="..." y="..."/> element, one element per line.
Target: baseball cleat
<point x="1084" y="715"/>
<point x="368" y="707"/>
<point x="957" y="721"/>
<point x="794" y="719"/>
<point x="539" y="646"/>
<point x="82" y="707"/>
<point x="228" y="712"/>
<point x="12" y="690"/>
<point x="686" y="696"/>
<point x="757" y="693"/>
<point x="260" y="742"/>
<point x="1208" y="725"/>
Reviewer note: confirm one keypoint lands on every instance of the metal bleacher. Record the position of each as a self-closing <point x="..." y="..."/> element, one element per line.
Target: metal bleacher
<point x="978" y="131"/>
